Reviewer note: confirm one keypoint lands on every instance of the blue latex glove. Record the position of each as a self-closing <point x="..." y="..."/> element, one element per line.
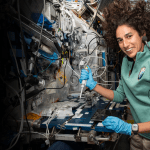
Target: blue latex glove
<point x="85" y="75"/>
<point x="118" y="125"/>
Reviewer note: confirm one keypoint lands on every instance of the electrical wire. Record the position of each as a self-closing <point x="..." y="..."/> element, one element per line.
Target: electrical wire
<point x="21" y="126"/>
<point x="48" y="122"/>
<point x="106" y="84"/>
<point x="8" y="84"/>
<point x="21" y="99"/>
<point x="98" y="67"/>
<point x="41" y="30"/>
<point x="91" y="41"/>
<point x="71" y="78"/>
<point x="27" y="122"/>
<point x="49" y="58"/>
<point x="13" y="54"/>
<point x="108" y="81"/>
<point x="6" y="115"/>
<point x="22" y="93"/>
<point x="46" y="68"/>
<point x="111" y="87"/>
<point x="103" y="84"/>
<point x="10" y="87"/>
<point x="49" y="64"/>
<point x="14" y="92"/>
<point x="74" y="71"/>
<point x="94" y="49"/>
<point x="117" y="141"/>
<point x="90" y="34"/>
<point x="34" y="133"/>
<point x="50" y="119"/>
<point x="15" y="121"/>
<point x="22" y="37"/>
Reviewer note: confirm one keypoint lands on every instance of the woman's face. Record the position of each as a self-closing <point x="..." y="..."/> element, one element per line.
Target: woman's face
<point x="129" y="41"/>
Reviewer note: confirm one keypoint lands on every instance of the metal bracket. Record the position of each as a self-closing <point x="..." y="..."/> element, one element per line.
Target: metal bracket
<point x="78" y="136"/>
<point x="91" y="137"/>
<point x="52" y="135"/>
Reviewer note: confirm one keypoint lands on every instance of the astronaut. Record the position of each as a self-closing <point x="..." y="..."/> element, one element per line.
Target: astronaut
<point x="125" y="26"/>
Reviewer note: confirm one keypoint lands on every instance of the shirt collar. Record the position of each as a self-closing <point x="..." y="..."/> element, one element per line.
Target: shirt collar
<point x="141" y="55"/>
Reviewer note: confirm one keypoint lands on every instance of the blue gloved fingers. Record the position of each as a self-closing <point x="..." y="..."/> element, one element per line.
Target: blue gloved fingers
<point x="84" y="71"/>
<point x="118" y="125"/>
<point x="87" y="75"/>
<point x="109" y="127"/>
<point x="91" y="84"/>
<point x="90" y="71"/>
<point x="106" y="123"/>
<point x="110" y="122"/>
<point x="109" y="119"/>
<point x="83" y="77"/>
<point x="80" y="80"/>
<point x="90" y="76"/>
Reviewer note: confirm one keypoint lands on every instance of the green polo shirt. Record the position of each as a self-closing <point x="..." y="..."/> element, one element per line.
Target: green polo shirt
<point x="136" y="87"/>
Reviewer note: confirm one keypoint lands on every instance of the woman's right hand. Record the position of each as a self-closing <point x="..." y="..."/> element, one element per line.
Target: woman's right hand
<point x="85" y="75"/>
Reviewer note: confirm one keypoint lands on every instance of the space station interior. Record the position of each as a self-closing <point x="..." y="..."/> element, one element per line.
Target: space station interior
<point x="44" y="46"/>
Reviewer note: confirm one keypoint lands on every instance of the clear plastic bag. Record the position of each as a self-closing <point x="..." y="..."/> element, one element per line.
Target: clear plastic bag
<point x="62" y="93"/>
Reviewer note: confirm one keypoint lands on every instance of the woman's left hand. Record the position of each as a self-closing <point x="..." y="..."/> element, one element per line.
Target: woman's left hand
<point x="118" y="125"/>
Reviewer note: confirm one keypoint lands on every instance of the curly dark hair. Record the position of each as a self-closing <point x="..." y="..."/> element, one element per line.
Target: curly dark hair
<point x="122" y="12"/>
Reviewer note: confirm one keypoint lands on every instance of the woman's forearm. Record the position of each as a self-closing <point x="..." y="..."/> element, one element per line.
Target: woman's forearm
<point x="144" y="127"/>
<point x="109" y="94"/>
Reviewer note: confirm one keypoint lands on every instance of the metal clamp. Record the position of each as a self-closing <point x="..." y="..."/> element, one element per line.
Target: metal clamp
<point x="91" y="137"/>
<point x="94" y="139"/>
<point x="52" y="134"/>
<point x="78" y="136"/>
